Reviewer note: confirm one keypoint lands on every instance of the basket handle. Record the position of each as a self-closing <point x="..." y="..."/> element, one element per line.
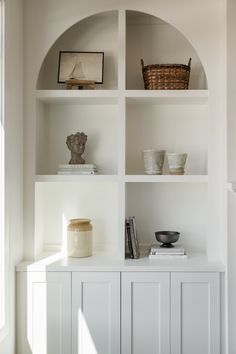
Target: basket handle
<point x="189" y="62"/>
<point x="142" y="63"/>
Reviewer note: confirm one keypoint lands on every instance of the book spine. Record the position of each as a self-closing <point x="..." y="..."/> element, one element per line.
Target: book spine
<point x="166" y="253"/>
<point x="127" y="252"/>
<point x="76" y="171"/>
<point x="70" y="166"/>
<point x="183" y="256"/>
<point x="134" y="238"/>
<point x="72" y="173"/>
<point x="127" y="224"/>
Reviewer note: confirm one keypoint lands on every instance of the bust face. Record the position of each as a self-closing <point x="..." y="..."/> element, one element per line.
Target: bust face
<point x="78" y="146"/>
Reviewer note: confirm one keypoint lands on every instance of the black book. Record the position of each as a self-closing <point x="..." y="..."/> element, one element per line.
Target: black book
<point x="128" y="236"/>
<point x="134" y="238"/>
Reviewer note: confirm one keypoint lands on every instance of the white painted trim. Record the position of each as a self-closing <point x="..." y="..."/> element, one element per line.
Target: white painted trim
<point x="3" y="235"/>
<point x="112" y="262"/>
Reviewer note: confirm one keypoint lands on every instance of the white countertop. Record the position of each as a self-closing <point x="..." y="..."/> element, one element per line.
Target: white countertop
<point x="99" y="262"/>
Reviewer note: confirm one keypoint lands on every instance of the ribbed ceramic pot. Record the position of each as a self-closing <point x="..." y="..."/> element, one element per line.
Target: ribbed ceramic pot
<point x="153" y="161"/>
<point x="176" y="163"/>
<point x="79" y="238"/>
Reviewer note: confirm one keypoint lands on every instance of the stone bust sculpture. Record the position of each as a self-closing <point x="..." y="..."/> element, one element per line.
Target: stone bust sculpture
<point x="76" y="145"/>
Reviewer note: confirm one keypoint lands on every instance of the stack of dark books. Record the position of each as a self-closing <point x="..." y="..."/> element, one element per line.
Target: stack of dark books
<point x="131" y="239"/>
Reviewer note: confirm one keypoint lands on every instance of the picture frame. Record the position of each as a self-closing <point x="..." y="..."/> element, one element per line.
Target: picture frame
<point x="80" y="66"/>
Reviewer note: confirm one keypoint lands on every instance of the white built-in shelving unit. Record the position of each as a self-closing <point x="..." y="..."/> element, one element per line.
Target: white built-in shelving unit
<point x="140" y="303"/>
<point x="121" y="119"/>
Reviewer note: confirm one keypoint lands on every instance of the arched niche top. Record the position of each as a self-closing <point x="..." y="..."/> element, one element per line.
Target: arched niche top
<point x="145" y="36"/>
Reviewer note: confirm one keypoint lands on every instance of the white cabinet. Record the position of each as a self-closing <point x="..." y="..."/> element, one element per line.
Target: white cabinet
<point x="47" y="303"/>
<point x="195" y="311"/>
<point x="175" y="313"/>
<point x="119" y="312"/>
<point x="146" y="313"/>
<point x="96" y="313"/>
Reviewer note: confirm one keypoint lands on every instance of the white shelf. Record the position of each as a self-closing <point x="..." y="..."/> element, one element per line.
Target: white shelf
<point x="76" y="178"/>
<point x="101" y="97"/>
<point x="195" y="262"/>
<point x="174" y="97"/>
<point x="127" y="178"/>
<point x="167" y="178"/>
<point x="132" y="96"/>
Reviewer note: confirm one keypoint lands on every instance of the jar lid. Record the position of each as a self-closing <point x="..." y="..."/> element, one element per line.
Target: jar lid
<point x="80" y="221"/>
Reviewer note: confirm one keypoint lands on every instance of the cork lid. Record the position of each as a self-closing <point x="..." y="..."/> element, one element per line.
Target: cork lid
<point x="79" y="221"/>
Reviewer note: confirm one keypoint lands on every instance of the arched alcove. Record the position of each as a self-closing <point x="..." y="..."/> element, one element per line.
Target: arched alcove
<point x="147" y="37"/>
<point x="98" y="33"/>
<point x="120" y="124"/>
<point x="157" y="41"/>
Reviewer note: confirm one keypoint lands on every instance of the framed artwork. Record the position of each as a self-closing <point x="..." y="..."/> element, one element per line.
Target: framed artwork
<point x="81" y="66"/>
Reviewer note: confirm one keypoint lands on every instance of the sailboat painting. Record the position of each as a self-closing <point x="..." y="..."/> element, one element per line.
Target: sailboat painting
<point x="81" y="66"/>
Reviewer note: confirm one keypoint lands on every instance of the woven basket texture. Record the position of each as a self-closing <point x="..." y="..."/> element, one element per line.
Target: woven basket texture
<point x="166" y="76"/>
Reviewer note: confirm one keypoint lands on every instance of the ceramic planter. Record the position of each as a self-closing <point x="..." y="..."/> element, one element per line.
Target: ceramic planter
<point x="176" y="163"/>
<point x="153" y="161"/>
<point x="79" y="238"/>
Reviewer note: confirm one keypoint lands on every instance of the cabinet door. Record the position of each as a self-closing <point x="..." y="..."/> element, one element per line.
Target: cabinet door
<point x="49" y="312"/>
<point x="145" y="313"/>
<point x="96" y="313"/>
<point x="195" y="311"/>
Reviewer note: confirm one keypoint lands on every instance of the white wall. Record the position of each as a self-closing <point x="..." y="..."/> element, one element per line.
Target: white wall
<point x="14" y="159"/>
<point x="165" y="199"/>
<point x="60" y="202"/>
<point x="231" y="116"/>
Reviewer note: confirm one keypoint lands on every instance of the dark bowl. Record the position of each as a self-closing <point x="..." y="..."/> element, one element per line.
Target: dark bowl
<point x="167" y="238"/>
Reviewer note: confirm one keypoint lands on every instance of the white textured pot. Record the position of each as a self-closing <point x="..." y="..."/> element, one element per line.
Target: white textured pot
<point x="153" y="161"/>
<point x="176" y="163"/>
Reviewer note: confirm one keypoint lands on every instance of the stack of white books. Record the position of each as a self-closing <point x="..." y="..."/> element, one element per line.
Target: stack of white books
<point x="176" y="252"/>
<point x="86" y="169"/>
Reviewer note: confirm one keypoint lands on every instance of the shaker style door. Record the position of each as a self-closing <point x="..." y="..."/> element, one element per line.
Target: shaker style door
<point x="195" y="313"/>
<point x="49" y="312"/>
<point x="145" y="313"/>
<point x="96" y="313"/>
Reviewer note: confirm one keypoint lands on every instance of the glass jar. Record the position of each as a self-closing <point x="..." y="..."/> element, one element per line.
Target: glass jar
<point x="79" y="238"/>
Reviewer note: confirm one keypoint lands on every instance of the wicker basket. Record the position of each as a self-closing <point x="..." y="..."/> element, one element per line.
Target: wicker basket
<point x="166" y="76"/>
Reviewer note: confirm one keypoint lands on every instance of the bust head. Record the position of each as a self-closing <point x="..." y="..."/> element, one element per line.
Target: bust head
<point x="76" y="144"/>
